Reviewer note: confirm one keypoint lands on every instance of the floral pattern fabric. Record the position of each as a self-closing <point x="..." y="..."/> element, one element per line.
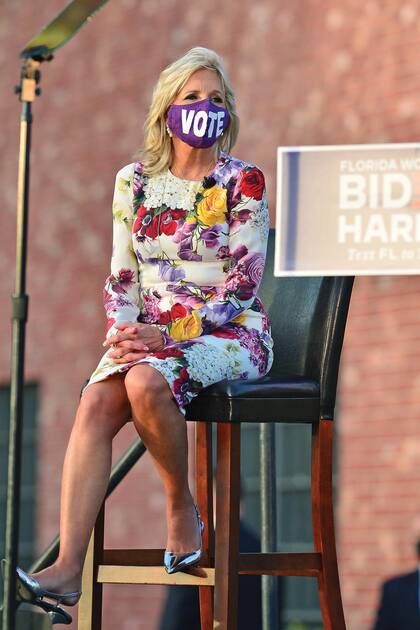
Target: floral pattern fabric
<point x="188" y="256"/>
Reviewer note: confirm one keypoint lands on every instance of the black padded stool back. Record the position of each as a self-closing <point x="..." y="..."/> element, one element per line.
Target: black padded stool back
<point x="308" y="317"/>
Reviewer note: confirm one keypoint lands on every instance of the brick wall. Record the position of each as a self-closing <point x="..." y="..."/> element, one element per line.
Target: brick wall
<point x="379" y="441"/>
<point x="305" y="73"/>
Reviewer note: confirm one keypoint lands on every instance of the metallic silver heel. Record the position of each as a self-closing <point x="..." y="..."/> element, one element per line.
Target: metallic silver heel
<point x="55" y="613"/>
<point x="29" y="590"/>
<point x="24" y="594"/>
<point x="174" y="562"/>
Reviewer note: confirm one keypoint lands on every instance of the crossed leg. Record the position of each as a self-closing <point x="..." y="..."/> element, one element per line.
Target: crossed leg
<point x="163" y="429"/>
<point x="103" y="410"/>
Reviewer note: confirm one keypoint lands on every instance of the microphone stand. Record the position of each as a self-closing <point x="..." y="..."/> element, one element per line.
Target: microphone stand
<point x="39" y="49"/>
<point x="30" y="76"/>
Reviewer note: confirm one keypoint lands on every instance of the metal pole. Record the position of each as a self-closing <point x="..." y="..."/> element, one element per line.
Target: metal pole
<point x="270" y="614"/>
<point x="19" y="316"/>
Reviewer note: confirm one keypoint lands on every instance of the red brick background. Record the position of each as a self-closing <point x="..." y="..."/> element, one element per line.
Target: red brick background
<point x="379" y="441"/>
<point x="306" y="72"/>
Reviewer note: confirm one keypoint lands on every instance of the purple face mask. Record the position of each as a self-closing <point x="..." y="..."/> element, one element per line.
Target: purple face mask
<point x="198" y="124"/>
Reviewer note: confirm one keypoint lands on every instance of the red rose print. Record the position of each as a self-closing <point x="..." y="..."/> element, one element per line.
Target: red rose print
<point x="252" y="183"/>
<point x="180" y="384"/>
<point x="183" y="374"/>
<point x="152" y="229"/>
<point x="177" y="311"/>
<point x="168" y="221"/>
<point x="168" y="352"/>
<point x="165" y="317"/>
<point x="225" y="333"/>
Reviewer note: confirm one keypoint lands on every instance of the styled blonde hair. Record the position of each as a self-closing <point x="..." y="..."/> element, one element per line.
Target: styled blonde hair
<point x="156" y="153"/>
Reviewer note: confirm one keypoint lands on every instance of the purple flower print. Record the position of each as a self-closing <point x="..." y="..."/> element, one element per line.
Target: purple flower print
<point x="253" y="267"/>
<point x="184" y="233"/>
<point x="151" y="310"/>
<point x="218" y="313"/>
<point x="223" y="252"/>
<point x="186" y="295"/>
<point x="236" y="219"/>
<point x="138" y="178"/>
<point x="211" y="234"/>
<point x="233" y="192"/>
<point x="245" y="290"/>
<point x="228" y="169"/>
<point x="250" y="339"/>
<point x="169" y="271"/>
<point x="239" y="252"/>
<point x="233" y="198"/>
<point x="184" y="237"/>
<point x="186" y="252"/>
<point x="239" y="285"/>
<point x="121" y="301"/>
<point x="121" y="282"/>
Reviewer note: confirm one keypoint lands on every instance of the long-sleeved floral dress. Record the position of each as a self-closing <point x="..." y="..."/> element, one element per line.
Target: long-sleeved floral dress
<point x="188" y="256"/>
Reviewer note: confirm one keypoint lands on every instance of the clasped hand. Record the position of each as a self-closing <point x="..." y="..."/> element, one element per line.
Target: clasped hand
<point x="133" y="341"/>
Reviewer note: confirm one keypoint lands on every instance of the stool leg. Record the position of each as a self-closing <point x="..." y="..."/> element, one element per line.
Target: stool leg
<point x="323" y="526"/>
<point x="204" y="482"/>
<point x="227" y="526"/>
<point x="90" y="606"/>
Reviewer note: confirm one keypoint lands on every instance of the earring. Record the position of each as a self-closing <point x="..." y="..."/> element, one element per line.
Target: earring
<point x="168" y="130"/>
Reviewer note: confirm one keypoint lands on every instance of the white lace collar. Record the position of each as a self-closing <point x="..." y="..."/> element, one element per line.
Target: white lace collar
<point x="174" y="192"/>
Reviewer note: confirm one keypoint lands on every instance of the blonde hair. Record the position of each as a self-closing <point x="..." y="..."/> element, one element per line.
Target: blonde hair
<point x="156" y="152"/>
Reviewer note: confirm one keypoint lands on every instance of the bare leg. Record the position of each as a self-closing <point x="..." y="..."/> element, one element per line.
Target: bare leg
<point x="164" y="431"/>
<point x="102" y="412"/>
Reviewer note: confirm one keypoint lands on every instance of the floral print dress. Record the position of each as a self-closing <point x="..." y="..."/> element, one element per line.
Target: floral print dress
<point x="188" y="256"/>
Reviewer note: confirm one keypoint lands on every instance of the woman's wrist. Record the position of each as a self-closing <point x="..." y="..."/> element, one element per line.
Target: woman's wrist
<point x="166" y="339"/>
<point x="162" y="335"/>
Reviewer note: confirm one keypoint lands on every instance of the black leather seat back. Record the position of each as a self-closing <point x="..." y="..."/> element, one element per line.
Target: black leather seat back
<point x="308" y="317"/>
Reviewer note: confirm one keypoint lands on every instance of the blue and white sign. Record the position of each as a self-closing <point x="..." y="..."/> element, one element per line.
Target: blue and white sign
<point x="348" y="210"/>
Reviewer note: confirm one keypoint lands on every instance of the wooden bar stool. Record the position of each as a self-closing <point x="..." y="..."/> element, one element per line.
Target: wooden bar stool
<point x="308" y="317"/>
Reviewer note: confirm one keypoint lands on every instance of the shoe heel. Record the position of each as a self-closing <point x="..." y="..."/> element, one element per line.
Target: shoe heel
<point x="55" y="613"/>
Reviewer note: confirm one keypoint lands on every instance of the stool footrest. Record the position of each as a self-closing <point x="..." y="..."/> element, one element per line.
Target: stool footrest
<point x="139" y="557"/>
<point x="308" y="564"/>
<point x="110" y="574"/>
<point x="145" y="566"/>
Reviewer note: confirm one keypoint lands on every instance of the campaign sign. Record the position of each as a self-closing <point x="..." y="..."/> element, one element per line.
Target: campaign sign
<point x="348" y="210"/>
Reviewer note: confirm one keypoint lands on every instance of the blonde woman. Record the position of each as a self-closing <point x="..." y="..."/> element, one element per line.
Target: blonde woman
<point x="190" y="226"/>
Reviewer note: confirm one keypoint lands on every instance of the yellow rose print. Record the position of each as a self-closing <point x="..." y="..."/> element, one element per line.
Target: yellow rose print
<point x="186" y="327"/>
<point x="240" y="319"/>
<point x="212" y="208"/>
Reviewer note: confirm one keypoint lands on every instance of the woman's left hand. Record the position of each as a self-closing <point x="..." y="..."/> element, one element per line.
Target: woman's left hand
<point x="133" y="341"/>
